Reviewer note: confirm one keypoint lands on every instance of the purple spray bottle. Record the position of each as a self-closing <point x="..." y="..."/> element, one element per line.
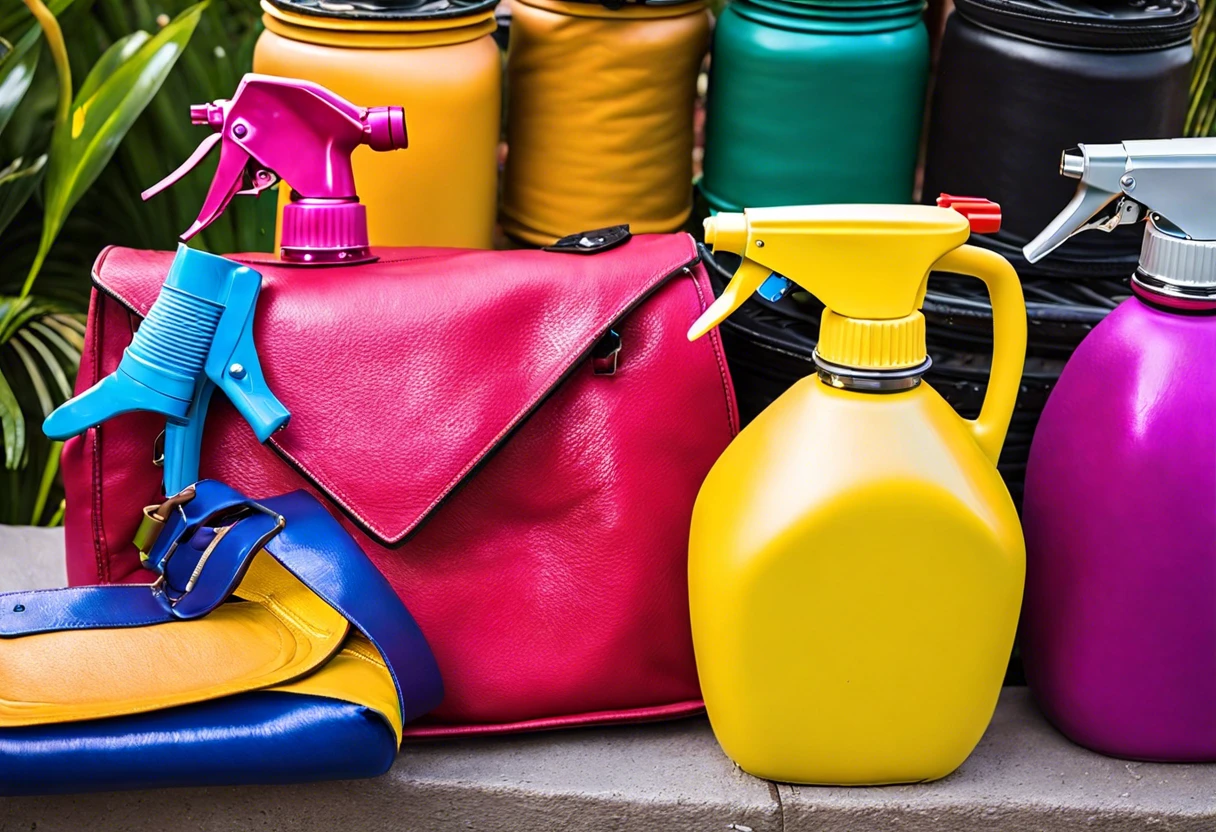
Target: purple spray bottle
<point x="1119" y="619"/>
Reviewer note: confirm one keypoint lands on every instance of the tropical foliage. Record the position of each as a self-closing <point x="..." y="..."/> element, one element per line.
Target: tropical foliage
<point x="1202" y="113"/>
<point x="94" y="98"/>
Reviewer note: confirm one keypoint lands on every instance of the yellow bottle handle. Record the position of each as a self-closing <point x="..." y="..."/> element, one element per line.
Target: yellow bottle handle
<point x="1008" y="340"/>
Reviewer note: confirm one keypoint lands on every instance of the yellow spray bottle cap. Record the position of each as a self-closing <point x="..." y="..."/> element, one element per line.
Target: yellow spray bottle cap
<point x="869" y="264"/>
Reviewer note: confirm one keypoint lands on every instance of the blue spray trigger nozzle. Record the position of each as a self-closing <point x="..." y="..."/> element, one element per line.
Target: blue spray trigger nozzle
<point x="197" y="335"/>
<point x="774" y="288"/>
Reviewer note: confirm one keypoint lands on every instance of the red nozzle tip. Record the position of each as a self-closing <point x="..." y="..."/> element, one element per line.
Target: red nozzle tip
<point x="984" y="215"/>
<point x="385" y="128"/>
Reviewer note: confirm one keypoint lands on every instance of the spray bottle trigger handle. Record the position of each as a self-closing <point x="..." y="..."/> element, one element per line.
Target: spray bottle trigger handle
<point x="749" y="277"/>
<point x="984" y="215"/>
<point x="229" y="176"/>
<point x="200" y="152"/>
<point x="242" y="381"/>
<point x="233" y="363"/>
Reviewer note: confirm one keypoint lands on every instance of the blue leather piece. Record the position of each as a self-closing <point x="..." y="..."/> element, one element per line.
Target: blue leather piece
<point x="224" y="569"/>
<point x="235" y="744"/>
<point x="309" y="547"/>
<point x="211" y="500"/>
<point x="79" y="608"/>
<point x="254" y="738"/>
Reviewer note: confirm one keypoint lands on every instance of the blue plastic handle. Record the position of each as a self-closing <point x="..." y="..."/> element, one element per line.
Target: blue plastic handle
<point x="198" y="334"/>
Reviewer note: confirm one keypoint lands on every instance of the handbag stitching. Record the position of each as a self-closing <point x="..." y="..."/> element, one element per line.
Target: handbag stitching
<point x="101" y="552"/>
<point x="719" y="350"/>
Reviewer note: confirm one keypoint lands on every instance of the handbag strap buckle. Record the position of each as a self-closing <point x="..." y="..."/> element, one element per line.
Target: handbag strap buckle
<point x="208" y="538"/>
<point x="155" y="517"/>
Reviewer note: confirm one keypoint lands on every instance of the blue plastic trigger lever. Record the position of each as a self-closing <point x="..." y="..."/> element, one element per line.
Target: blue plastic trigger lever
<point x="197" y="336"/>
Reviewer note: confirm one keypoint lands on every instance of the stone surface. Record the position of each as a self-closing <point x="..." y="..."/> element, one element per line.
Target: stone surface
<point x="665" y="777"/>
<point x="31" y="558"/>
<point x="1023" y="776"/>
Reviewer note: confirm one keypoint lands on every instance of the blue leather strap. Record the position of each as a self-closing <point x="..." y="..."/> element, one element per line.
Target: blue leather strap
<point x="309" y="543"/>
<point x="257" y="738"/>
<point x="79" y="608"/>
<point x="206" y="569"/>
<point x="316" y="549"/>
<point x="177" y="552"/>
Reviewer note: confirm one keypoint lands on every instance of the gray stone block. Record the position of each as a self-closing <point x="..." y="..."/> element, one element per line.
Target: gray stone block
<point x="31" y="558"/>
<point x="1024" y="776"/>
<point x="664" y="777"/>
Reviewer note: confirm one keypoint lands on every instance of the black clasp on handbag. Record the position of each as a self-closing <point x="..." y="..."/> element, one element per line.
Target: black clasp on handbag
<point x="606" y="354"/>
<point x="592" y="242"/>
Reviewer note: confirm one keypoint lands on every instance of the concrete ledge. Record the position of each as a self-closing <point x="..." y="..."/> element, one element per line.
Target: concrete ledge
<point x="1023" y="776"/>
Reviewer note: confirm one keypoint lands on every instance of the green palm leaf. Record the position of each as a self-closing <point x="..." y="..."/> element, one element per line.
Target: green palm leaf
<point x="116" y="91"/>
<point x="39" y="353"/>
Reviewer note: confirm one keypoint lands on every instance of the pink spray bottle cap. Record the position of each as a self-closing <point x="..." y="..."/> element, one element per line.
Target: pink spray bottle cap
<point x="284" y="128"/>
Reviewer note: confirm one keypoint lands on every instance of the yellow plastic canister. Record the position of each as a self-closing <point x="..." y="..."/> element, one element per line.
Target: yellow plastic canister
<point x="600" y="116"/>
<point x="447" y="73"/>
<point x="856" y="563"/>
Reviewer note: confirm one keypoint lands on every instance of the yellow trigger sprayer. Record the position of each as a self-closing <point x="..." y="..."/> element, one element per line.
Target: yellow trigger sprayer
<point x="856" y="562"/>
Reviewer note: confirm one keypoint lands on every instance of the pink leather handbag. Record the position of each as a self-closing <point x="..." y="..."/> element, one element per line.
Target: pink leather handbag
<point x="515" y="438"/>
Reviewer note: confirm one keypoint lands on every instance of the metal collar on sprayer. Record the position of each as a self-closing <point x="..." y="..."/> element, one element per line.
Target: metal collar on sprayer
<point x="299" y="132"/>
<point x="1169" y="183"/>
<point x="869" y="264"/>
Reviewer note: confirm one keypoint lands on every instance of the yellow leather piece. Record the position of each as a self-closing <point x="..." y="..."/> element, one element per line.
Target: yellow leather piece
<point x="600" y="117"/>
<point x="443" y="189"/>
<point x="280" y="632"/>
<point x="357" y="674"/>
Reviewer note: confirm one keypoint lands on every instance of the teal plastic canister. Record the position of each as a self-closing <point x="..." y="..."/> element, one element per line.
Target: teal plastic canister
<point x="815" y="101"/>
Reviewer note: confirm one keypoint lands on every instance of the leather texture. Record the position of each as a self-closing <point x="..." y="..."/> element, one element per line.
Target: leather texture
<point x="453" y="387"/>
<point x="600" y="104"/>
<point x="222" y="742"/>
<point x="233" y="688"/>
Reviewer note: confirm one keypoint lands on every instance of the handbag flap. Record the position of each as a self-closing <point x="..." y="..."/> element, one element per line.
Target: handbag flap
<point x="421" y="363"/>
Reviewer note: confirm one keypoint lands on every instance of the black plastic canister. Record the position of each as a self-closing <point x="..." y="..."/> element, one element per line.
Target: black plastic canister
<point x="1019" y="81"/>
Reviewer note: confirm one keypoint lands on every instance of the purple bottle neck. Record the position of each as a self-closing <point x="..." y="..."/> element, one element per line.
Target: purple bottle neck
<point x="1170" y="303"/>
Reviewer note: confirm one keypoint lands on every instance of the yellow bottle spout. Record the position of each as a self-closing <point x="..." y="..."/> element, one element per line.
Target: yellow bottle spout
<point x="870" y="264"/>
<point x="866" y="262"/>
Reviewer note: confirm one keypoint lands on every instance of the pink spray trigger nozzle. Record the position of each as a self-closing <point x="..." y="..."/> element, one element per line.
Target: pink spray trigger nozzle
<point x="210" y="114"/>
<point x="304" y="134"/>
<point x="385" y="128"/>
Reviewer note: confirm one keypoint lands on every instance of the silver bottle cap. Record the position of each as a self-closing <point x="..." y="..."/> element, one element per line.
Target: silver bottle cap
<point x="1172" y="265"/>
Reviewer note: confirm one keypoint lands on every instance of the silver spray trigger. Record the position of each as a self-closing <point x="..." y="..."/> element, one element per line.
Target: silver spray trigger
<point x="1170" y="183"/>
<point x="1172" y="179"/>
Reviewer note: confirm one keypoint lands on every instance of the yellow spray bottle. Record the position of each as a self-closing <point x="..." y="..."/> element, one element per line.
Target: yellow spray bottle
<point x="856" y="563"/>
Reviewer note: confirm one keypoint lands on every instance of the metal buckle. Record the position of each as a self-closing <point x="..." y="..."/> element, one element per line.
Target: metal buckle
<point x="605" y="355"/>
<point x="155" y="518"/>
<point x="591" y="242"/>
<point x="161" y="582"/>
